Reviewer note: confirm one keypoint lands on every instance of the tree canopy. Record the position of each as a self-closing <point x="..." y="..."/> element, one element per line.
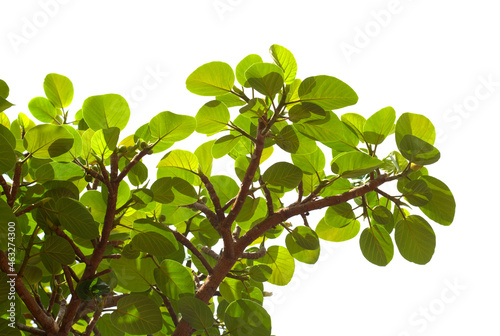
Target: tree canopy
<point x="94" y="242"/>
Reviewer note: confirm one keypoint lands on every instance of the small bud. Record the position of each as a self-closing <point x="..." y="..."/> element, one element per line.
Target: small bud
<point x="122" y="149"/>
<point x="88" y="178"/>
<point x="162" y="218"/>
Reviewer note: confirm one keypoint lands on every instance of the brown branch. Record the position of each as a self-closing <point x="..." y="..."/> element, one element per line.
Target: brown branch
<point x="92" y="323"/>
<point x="113" y="160"/>
<point x="184" y="241"/>
<point x="31" y="330"/>
<point x="101" y="273"/>
<point x="208" y="251"/>
<point x="136" y="159"/>
<point x="5" y="187"/>
<point x="267" y="195"/>
<point x="213" y="196"/>
<point x="69" y="280"/>
<point x="211" y="216"/>
<point x="255" y="255"/>
<point x="29" y="208"/>
<point x="16" y="182"/>
<point x="112" y="256"/>
<point x="168" y="305"/>
<point x="297" y="209"/>
<point x="228" y="204"/>
<point x="45" y="321"/>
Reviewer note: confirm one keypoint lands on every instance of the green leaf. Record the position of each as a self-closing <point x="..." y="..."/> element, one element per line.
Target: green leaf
<point x="417" y="125"/>
<point x="418" y="151"/>
<point x="265" y="78"/>
<point x="137" y="314"/>
<point x="299" y="245"/>
<point x="415" y="239"/>
<point x="441" y="208"/>
<point x="333" y="234"/>
<point x="42" y="109"/>
<point x="155" y="243"/>
<point x="47" y="141"/>
<point x="310" y="163"/>
<point x="58" y="89"/>
<point x="354" y="164"/>
<point x="4" y="104"/>
<point x="339" y="215"/>
<point x="224" y="145"/>
<point x="417" y="193"/>
<point x="328" y="92"/>
<point x="243" y="66"/>
<point x="196" y="313"/>
<point x="283" y="174"/>
<point x="225" y="187"/>
<point x="212" y="118"/>
<point x="245" y="317"/>
<point x="383" y="216"/>
<point x="328" y="129"/>
<point x="8" y="157"/>
<point x="59" y="250"/>
<point x="376" y="245"/>
<point x="260" y="273"/>
<point x="174" y="279"/>
<point x="171" y="127"/>
<point x="75" y="218"/>
<point x="174" y="191"/>
<point x="379" y="125"/>
<point x="181" y="159"/>
<point x="76" y="149"/>
<point x="355" y="122"/>
<point x="281" y="262"/>
<point x="104" y="141"/>
<point x="134" y="274"/>
<point x="106" y="327"/>
<point x="211" y="79"/>
<point x="106" y="111"/>
<point x="285" y="60"/>
<point x="4" y="89"/>
<point x="205" y="158"/>
<point x="294" y="142"/>
<point x="305" y="237"/>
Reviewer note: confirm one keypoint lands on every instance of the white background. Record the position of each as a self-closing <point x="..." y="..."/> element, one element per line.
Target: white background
<point x="428" y="57"/>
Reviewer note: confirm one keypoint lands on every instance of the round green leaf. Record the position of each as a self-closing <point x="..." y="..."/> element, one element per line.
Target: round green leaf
<point x="106" y="327"/>
<point x="383" y="216"/>
<point x="299" y="252"/>
<point x="155" y="243"/>
<point x="339" y="215"/>
<point x="75" y="218"/>
<point x="42" y="109"/>
<point x="265" y="78"/>
<point x="355" y="122"/>
<point x="260" y="273"/>
<point x="310" y="163"/>
<point x="211" y="79"/>
<point x="104" y="141"/>
<point x="376" y="245"/>
<point x="134" y="274"/>
<point x="8" y="157"/>
<point x="285" y="60"/>
<point x="417" y="192"/>
<point x="137" y="314"/>
<point x="283" y="174"/>
<point x="224" y="145"/>
<point x="171" y="127"/>
<point x="59" y="250"/>
<point x="379" y="125"/>
<point x="415" y="239"/>
<point x="417" y="125"/>
<point x="181" y="159"/>
<point x="174" y="279"/>
<point x="305" y="237"/>
<point x="225" y="187"/>
<point x="196" y="313"/>
<point x="441" y="208"/>
<point x="417" y="150"/>
<point x="58" y="89"/>
<point x="328" y="92"/>
<point x="281" y="262"/>
<point x="174" y="191"/>
<point x="4" y="89"/>
<point x="48" y="141"/>
<point x="243" y="66"/>
<point x="354" y="164"/>
<point x="244" y="317"/>
<point x="212" y="118"/>
<point x="333" y="234"/>
<point x="106" y="111"/>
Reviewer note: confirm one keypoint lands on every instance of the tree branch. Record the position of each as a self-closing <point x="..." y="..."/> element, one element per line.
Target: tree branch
<point x="211" y="216"/>
<point x="31" y="330"/>
<point x="136" y="159"/>
<point x="16" y="181"/>
<point x="213" y="196"/>
<point x="77" y="250"/>
<point x="297" y="209"/>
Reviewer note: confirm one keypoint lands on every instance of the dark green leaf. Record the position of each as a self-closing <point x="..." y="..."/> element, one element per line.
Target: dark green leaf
<point x="283" y="174"/>
<point x="137" y="314"/>
<point x="354" y="164"/>
<point x="415" y="239"/>
<point x="75" y="218"/>
<point x="265" y="78"/>
<point x="376" y="245"/>
<point x="244" y="317"/>
<point x="243" y="66"/>
<point x="379" y="125"/>
<point x="196" y="313"/>
<point x="441" y="208"/>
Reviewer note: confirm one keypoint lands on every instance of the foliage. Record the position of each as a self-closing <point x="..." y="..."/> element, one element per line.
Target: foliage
<point x="92" y="234"/>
